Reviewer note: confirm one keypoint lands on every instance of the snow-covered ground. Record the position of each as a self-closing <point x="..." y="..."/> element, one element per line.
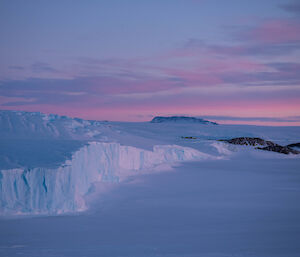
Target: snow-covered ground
<point x="144" y="189"/>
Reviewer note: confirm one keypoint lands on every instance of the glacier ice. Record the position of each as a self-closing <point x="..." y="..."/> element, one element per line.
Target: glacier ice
<point x="61" y="190"/>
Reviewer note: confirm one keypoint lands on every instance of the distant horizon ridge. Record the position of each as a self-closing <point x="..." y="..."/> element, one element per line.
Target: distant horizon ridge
<point x="171" y="119"/>
<point x="181" y="119"/>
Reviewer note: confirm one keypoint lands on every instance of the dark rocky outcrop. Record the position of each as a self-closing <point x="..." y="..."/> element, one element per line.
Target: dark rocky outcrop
<point x="279" y="149"/>
<point x="296" y="145"/>
<point x="267" y="145"/>
<point x="253" y="141"/>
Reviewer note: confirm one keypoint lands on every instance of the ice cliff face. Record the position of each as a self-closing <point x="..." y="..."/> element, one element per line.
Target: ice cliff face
<point x="54" y="191"/>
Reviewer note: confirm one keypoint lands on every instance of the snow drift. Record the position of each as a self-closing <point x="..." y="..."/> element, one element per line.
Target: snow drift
<point x="61" y="190"/>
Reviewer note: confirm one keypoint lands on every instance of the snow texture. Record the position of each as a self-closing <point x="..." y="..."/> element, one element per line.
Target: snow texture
<point x="231" y="200"/>
<point x="49" y="163"/>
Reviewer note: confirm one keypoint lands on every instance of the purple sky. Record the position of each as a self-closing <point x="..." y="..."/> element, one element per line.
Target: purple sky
<point x="232" y="61"/>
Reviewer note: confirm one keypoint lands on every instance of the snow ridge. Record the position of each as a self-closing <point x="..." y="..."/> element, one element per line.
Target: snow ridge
<point x="36" y="125"/>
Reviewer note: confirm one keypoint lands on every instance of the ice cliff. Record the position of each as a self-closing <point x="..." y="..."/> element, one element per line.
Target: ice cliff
<point x="61" y="190"/>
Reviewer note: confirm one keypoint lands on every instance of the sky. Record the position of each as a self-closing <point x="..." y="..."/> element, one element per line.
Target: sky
<point x="233" y="61"/>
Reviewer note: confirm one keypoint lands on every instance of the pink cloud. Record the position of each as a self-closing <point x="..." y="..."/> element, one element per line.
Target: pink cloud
<point x="277" y="31"/>
<point x="156" y="85"/>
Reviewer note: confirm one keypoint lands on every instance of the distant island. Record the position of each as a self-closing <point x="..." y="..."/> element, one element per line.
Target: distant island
<point x="181" y="119"/>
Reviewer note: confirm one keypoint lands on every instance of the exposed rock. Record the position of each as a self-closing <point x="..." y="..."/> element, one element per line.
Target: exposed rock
<point x="268" y="145"/>
<point x="253" y="141"/>
<point x="279" y="149"/>
<point x="181" y="119"/>
<point x="295" y="146"/>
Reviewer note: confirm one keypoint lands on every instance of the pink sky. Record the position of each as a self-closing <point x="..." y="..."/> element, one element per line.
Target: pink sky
<point x="158" y="58"/>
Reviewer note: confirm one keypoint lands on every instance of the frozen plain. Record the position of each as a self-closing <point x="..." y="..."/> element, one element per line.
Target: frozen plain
<point x="229" y="201"/>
